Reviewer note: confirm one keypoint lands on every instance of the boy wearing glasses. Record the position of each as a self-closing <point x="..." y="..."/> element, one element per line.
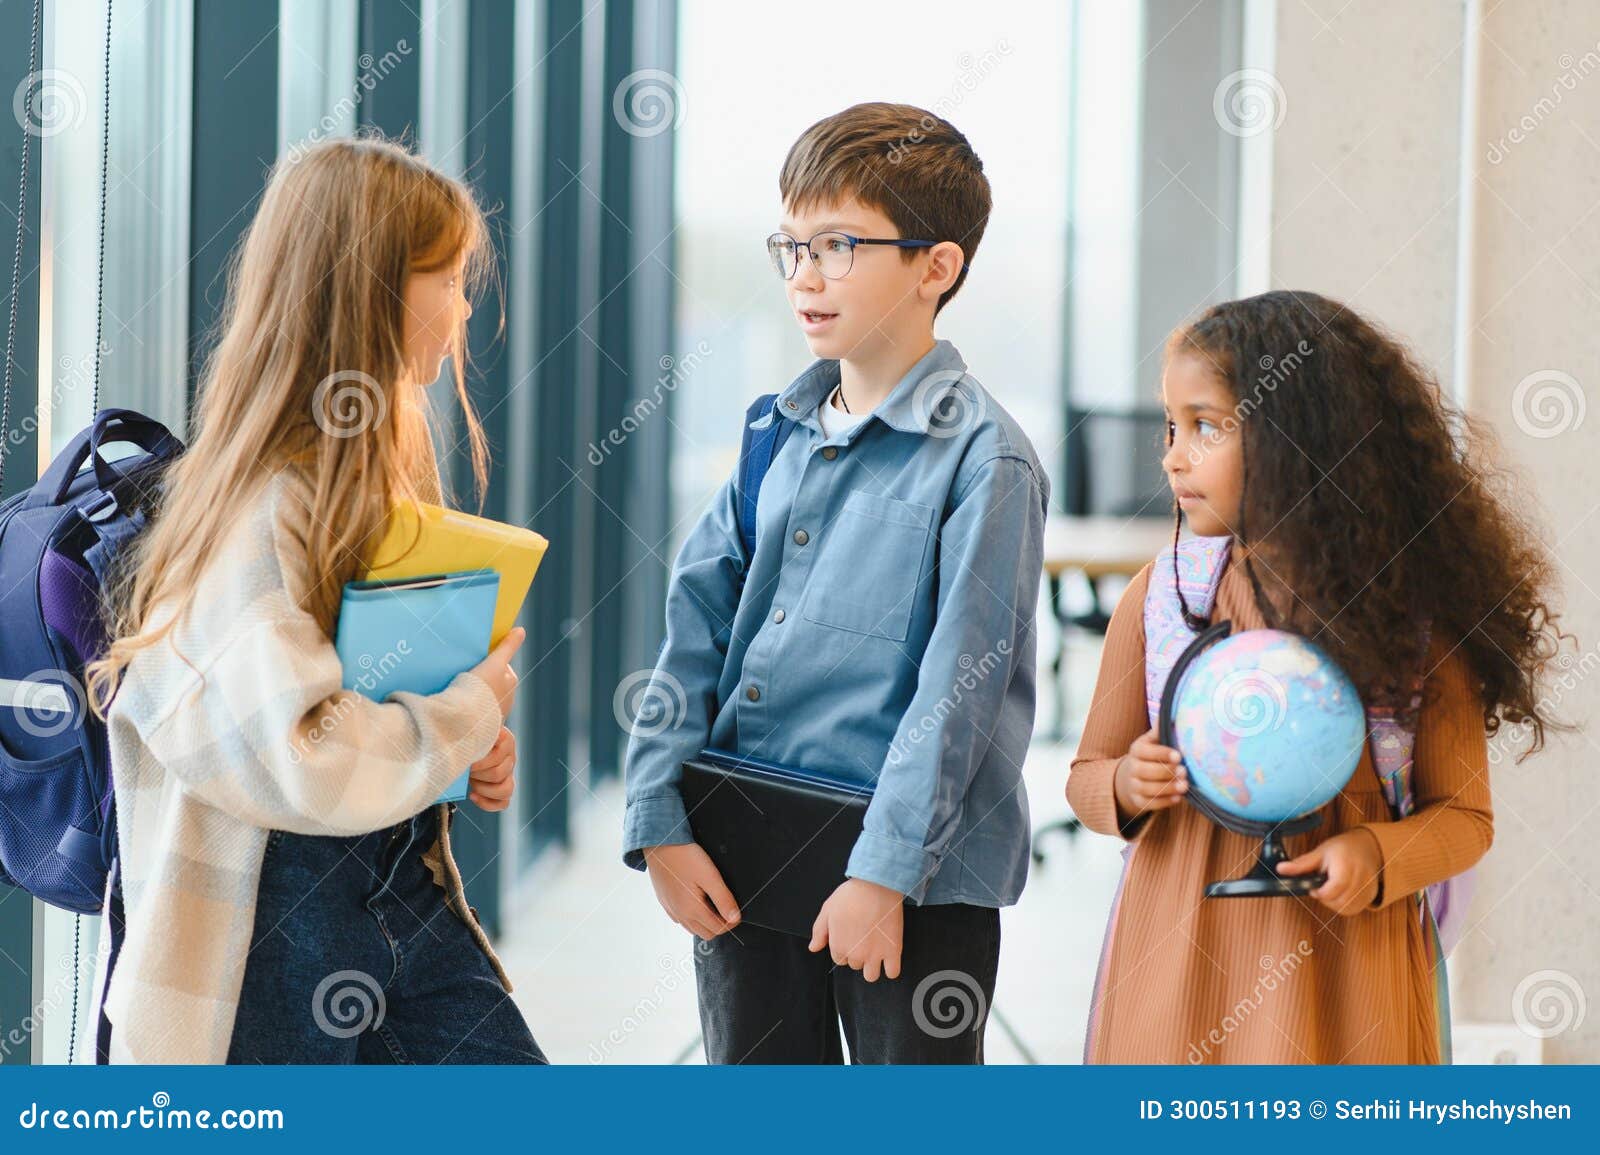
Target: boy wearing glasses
<point x="883" y="629"/>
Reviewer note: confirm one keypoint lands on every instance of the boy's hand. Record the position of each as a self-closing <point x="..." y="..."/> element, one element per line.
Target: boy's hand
<point x="493" y="778"/>
<point x="1351" y="861"/>
<point x="862" y="923"/>
<point x="1149" y="777"/>
<point x="690" y="889"/>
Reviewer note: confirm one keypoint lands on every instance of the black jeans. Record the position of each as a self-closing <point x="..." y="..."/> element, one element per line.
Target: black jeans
<point x="765" y="998"/>
<point x="355" y="958"/>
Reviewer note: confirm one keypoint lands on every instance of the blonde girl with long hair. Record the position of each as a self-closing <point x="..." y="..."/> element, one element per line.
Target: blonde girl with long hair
<point x="290" y="893"/>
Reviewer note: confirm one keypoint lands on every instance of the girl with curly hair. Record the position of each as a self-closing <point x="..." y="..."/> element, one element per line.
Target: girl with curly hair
<point x="1361" y="511"/>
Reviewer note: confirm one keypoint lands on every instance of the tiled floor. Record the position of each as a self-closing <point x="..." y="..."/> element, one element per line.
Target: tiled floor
<point x="603" y="976"/>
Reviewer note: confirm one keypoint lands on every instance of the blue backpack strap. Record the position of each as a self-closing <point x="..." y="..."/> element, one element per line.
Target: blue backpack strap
<point x="758" y="448"/>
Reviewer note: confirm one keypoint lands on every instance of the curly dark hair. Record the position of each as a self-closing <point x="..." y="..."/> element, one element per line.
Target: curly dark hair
<point x="1380" y="505"/>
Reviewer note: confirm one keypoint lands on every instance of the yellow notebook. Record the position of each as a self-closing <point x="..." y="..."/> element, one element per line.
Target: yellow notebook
<point x="452" y="541"/>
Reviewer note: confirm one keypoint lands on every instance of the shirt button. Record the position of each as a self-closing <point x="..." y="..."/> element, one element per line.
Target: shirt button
<point x="829" y="452"/>
<point x="778" y="617"/>
<point x="801" y="537"/>
<point x="753" y="693"/>
<point x="794" y="405"/>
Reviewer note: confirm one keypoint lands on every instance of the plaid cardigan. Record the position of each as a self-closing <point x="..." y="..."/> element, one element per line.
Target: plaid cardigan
<point x="246" y="731"/>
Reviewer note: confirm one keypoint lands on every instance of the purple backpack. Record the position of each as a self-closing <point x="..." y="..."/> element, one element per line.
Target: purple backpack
<point x="58" y="540"/>
<point x="1201" y="560"/>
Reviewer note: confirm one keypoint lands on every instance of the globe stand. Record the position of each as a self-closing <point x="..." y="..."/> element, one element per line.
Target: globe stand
<point x="1263" y="879"/>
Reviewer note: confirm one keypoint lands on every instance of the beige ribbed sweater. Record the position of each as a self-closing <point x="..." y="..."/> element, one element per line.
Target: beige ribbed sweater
<point x="203" y="769"/>
<point x="1186" y="979"/>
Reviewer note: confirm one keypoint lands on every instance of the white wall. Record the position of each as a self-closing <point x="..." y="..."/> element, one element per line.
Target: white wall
<point x="1480" y="245"/>
<point x="1534" y="300"/>
<point x="1365" y="161"/>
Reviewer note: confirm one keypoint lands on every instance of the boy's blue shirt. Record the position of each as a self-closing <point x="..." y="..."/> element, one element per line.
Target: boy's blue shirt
<point x="884" y="633"/>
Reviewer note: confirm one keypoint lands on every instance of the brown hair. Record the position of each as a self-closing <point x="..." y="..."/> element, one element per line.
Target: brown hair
<point x="909" y="164"/>
<point x="1380" y="505"/>
<point x="310" y="373"/>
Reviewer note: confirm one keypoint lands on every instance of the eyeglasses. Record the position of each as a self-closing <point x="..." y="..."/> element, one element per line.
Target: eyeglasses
<point x="832" y="253"/>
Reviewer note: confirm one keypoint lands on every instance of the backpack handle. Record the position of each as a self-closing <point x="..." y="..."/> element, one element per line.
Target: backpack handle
<point x="110" y="426"/>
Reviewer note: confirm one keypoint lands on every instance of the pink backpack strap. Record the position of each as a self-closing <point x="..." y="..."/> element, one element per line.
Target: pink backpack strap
<point x="1201" y="561"/>
<point x="1393" y="748"/>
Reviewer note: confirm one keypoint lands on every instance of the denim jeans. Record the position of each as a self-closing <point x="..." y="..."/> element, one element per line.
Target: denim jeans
<point x="355" y="958"/>
<point x="765" y="998"/>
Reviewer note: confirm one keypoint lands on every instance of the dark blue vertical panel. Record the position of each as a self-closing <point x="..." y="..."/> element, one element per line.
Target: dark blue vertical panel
<point x="235" y="139"/>
<point x="489" y="152"/>
<point x="21" y="447"/>
<point x="613" y="477"/>
<point x="389" y="67"/>
<point x="547" y="688"/>
<point x="652" y="289"/>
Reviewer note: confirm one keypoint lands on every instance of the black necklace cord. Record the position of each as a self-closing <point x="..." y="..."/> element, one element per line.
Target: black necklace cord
<point x="105" y="170"/>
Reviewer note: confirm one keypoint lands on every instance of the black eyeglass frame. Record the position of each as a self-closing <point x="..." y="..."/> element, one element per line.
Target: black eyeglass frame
<point x="896" y="242"/>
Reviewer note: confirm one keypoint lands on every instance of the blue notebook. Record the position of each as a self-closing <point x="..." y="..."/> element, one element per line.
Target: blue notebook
<point x="416" y="634"/>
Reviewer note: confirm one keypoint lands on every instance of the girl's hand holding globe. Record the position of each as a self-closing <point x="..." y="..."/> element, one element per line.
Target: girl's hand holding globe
<point x="1149" y="777"/>
<point x="1351" y="861"/>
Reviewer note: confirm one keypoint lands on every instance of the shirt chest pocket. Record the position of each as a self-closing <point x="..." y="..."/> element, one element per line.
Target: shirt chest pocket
<point x="869" y="566"/>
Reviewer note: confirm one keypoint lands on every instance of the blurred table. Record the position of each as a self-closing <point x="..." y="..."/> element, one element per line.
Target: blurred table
<point x="1095" y="547"/>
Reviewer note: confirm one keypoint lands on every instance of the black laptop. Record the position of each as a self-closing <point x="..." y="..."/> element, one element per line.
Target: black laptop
<point x="781" y="836"/>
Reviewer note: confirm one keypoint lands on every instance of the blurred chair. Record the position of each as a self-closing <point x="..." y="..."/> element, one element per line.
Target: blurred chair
<point x="1113" y="481"/>
<point x="1112" y="463"/>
